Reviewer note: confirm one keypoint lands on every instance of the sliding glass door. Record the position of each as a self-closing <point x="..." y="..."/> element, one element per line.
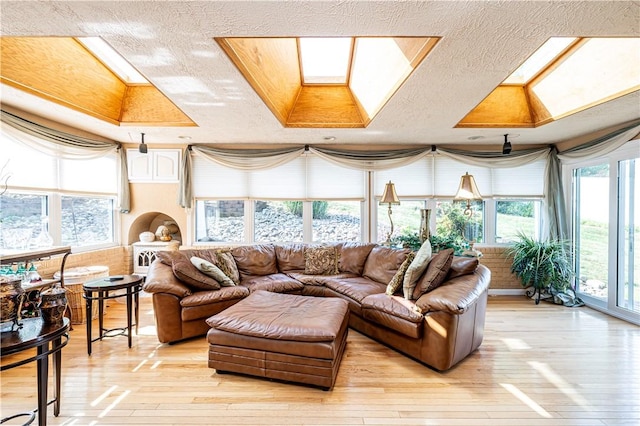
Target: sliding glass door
<point x="606" y="232"/>
<point x="628" y="294"/>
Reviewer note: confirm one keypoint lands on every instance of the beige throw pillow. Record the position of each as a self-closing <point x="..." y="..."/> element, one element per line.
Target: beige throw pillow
<point x="184" y="270"/>
<point x="416" y="269"/>
<point x="212" y="270"/>
<point x="321" y="260"/>
<point x="398" y="278"/>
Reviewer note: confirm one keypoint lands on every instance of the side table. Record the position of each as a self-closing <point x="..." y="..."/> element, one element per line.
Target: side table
<point x="49" y="339"/>
<point x="99" y="290"/>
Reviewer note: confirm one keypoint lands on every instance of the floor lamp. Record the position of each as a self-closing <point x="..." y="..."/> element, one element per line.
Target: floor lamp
<point x="389" y="197"/>
<point x="468" y="191"/>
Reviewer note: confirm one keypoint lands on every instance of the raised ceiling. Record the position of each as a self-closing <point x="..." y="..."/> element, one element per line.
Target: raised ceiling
<point x="173" y="45"/>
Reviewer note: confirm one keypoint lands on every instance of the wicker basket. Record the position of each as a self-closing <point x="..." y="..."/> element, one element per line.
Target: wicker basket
<point x="74" y="278"/>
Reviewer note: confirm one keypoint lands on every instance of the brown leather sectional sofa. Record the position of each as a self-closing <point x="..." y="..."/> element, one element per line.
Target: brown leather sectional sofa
<point x="439" y="329"/>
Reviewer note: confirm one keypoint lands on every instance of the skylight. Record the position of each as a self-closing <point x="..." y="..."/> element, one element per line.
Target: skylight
<point x="325" y="60"/>
<point x="540" y="59"/>
<point x="112" y="59"/>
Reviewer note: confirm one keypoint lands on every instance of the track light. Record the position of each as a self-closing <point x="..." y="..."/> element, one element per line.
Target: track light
<point x="506" y="148"/>
<point x="143" y="147"/>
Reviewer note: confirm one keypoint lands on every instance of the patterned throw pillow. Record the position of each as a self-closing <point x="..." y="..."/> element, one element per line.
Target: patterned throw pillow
<point x="227" y="264"/>
<point x="320" y="260"/>
<point x="398" y="278"/>
<point x="416" y="269"/>
<point x="212" y="270"/>
<point x="436" y="273"/>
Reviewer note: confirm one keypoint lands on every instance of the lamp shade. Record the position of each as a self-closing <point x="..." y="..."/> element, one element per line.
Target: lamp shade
<point x="468" y="190"/>
<point x="389" y="195"/>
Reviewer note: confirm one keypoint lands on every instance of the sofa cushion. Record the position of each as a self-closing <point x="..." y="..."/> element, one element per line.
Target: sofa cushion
<point x="203" y="304"/>
<point x="396" y="282"/>
<point x="353" y="256"/>
<point x="461" y="265"/>
<point x="416" y="269"/>
<point x="255" y="259"/>
<point x="383" y="263"/>
<point x="436" y="273"/>
<point x="394" y="312"/>
<point x="320" y="260"/>
<point x="186" y="272"/>
<point x="275" y="283"/>
<point x="290" y="257"/>
<point x="212" y="270"/>
<point x="318" y="280"/>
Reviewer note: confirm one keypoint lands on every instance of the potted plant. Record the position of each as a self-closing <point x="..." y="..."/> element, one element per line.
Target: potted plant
<point x="541" y="266"/>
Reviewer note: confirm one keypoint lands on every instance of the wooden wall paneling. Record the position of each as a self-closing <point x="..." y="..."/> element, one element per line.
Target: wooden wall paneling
<point x="325" y="106"/>
<point x="506" y="106"/>
<point x="146" y="105"/>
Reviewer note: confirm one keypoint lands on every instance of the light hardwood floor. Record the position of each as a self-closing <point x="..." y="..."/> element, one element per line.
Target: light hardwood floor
<point x="538" y="365"/>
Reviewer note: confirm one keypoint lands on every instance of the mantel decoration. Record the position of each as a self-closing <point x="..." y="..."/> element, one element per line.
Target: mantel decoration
<point x="389" y="197"/>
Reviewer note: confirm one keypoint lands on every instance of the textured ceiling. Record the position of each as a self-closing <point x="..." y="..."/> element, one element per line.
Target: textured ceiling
<point x="171" y="43"/>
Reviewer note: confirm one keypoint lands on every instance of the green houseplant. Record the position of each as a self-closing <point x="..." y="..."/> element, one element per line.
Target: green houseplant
<point x="541" y="266"/>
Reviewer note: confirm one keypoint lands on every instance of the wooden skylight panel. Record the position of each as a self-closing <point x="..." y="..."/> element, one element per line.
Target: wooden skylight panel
<point x="565" y="76"/>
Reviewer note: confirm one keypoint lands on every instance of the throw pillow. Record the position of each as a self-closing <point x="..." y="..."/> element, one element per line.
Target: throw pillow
<point x="462" y="266"/>
<point x="166" y="256"/>
<point x="416" y="269"/>
<point x="227" y="264"/>
<point x="320" y="260"/>
<point x="398" y="278"/>
<point x="212" y="270"/>
<point x="436" y="273"/>
<point x="184" y="270"/>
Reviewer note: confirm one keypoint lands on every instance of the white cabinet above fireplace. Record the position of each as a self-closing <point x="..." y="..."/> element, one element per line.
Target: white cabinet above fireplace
<point x="157" y="165"/>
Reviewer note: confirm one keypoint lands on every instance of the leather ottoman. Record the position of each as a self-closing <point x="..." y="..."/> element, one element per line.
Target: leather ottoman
<point x="281" y="336"/>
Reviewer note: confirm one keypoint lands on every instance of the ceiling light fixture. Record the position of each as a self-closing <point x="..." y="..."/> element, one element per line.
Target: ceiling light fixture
<point x="506" y="148"/>
<point x="142" y="147"/>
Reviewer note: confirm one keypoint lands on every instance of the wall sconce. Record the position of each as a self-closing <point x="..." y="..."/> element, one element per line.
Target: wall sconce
<point x="506" y="148"/>
<point x="142" y="147"/>
<point x="389" y="197"/>
<point x="467" y="191"/>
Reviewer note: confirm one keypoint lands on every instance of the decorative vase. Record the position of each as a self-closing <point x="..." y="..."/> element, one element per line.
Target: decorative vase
<point x="425" y="218"/>
<point x="53" y="303"/>
<point x="147" y="237"/>
<point x="11" y="297"/>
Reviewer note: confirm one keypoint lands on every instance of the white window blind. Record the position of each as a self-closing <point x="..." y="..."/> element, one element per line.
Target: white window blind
<point x="305" y="178"/>
<point x="525" y="181"/>
<point x="413" y="181"/>
<point x="447" y="173"/>
<point x="328" y="181"/>
<point x="32" y="169"/>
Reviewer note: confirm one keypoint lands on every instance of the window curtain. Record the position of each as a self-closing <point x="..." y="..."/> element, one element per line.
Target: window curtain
<point x="249" y="159"/>
<point x="371" y="160"/>
<point x="601" y="146"/>
<point x="67" y="146"/>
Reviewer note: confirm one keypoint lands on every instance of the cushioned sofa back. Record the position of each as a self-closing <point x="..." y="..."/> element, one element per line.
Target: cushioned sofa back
<point x="353" y="256"/>
<point x="290" y="257"/>
<point x="255" y="259"/>
<point x="383" y="262"/>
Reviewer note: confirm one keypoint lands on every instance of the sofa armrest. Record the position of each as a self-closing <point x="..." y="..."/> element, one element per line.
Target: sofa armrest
<point x="458" y="294"/>
<point x="161" y="279"/>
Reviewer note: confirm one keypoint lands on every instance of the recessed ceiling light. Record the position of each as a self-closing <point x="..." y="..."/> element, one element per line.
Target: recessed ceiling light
<point x="185" y="137"/>
<point x="475" y="138"/>
<point x="329" y="138"/>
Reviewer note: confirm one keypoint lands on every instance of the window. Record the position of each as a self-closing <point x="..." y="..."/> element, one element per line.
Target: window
<point x="514" y="217"/>
<point x="220" y="221"/>
<point x="406" y="219"/>
<point x="87" y="221"/>
<point x="73" y="200"/>
<point x="337" y="221"/>
<point x="451" y="220"/>
<point x="278" y="222"/>
<point x="23" y="216"/>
